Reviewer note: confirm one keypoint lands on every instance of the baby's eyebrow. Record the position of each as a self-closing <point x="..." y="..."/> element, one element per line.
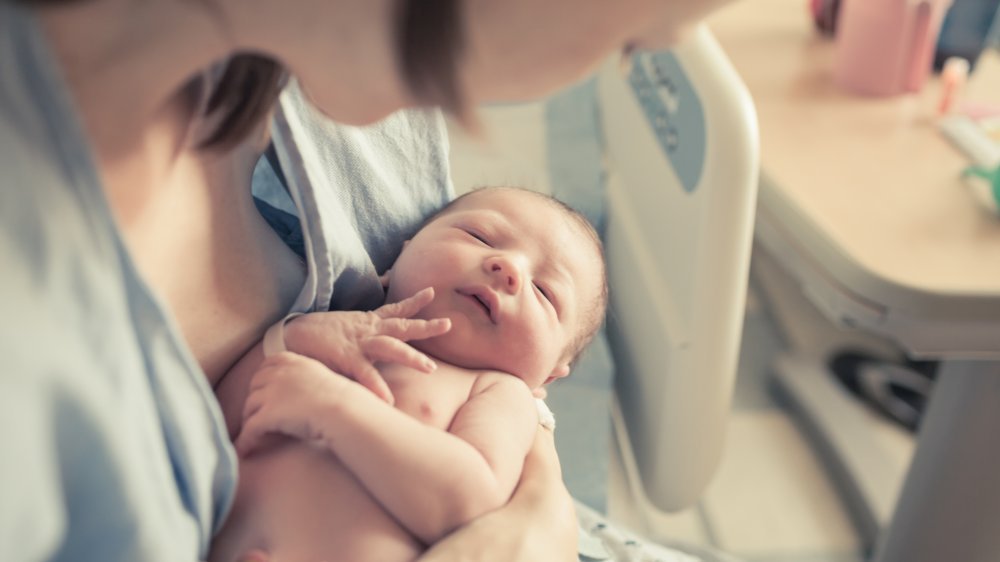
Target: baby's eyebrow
<point x="497" y="218"/>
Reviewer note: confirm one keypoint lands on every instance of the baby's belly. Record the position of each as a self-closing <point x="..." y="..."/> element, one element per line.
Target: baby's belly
<point x="317" y="510"/>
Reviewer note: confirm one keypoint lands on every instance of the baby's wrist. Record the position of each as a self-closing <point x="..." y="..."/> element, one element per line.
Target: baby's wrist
<point x="276" y="337"/>
<point x="330" y="414"/>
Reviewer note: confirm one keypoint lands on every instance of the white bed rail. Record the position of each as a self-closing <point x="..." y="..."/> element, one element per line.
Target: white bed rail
<point x="682" y="144"/>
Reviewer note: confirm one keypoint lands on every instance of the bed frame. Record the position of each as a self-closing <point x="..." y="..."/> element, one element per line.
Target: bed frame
<point x="680" y="135"/>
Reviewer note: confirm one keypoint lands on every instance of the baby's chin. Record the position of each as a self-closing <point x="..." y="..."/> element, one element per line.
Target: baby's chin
<point x="447" y="349"/>
<point x="457" y="353"/>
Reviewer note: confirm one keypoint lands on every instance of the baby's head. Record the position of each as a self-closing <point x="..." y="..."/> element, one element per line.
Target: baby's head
<point x="520" y="275"/>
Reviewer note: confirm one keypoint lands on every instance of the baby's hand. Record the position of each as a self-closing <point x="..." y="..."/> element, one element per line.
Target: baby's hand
<point x="351" y="343"/>
<point x="291" y="395"/>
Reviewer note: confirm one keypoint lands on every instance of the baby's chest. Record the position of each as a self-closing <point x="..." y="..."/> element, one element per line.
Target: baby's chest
<point x="431" y="398"/>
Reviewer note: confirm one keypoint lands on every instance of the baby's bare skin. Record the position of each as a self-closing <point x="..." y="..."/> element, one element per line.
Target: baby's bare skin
<point x="504" y="290"/>
<point x="366" y="531"/>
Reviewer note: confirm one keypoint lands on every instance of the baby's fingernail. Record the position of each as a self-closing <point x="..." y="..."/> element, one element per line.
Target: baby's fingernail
<point x="430" y="365"/>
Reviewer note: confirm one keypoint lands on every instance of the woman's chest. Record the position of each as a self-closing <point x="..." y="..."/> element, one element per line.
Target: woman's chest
<point x="223" y="274"/>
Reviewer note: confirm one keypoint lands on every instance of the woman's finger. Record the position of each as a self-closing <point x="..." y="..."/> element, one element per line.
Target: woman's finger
<point x="391" y="350"/>
<point x="407" y="329"/>
<point x="408" y="306"/>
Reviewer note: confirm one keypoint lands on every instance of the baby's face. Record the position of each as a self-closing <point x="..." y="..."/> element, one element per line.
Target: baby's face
<point x="518" y="277"/>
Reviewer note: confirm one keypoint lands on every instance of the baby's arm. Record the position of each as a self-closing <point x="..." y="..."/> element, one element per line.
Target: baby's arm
<point x="348" y="342"/>
<point x="538" y="523"/>
<point x="351" y="342"/>
<point x="432" y="481"/>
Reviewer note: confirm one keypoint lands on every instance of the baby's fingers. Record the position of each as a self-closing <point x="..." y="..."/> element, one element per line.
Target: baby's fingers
<point x="391" y="350"/>
<point x="368" y="376"/>
<point x="407" y="307"/>
<point x="407" y="329"/>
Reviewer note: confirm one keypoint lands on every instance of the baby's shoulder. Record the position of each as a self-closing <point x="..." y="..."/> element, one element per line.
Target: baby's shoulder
<point x="499" y="381"/>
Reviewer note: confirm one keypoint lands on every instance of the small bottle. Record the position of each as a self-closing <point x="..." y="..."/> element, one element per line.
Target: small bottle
<point x="953" y="78"/>
<point x="885" y="47"/>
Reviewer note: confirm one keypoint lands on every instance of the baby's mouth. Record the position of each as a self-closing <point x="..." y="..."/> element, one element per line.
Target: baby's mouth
<point x="483" y="301"/>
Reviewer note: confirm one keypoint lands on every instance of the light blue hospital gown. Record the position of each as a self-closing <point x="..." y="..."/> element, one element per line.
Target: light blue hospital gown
<point x="111" y="444"/>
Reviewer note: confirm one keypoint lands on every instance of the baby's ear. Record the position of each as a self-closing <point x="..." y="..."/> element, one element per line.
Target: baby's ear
<point x="384" y="278"/>
<point x="559" y="372"/>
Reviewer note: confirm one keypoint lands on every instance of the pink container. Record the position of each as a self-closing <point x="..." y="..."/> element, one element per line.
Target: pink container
<point x="885" y="47"/>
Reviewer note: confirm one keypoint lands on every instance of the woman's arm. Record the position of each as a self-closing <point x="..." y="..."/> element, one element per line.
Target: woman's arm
<point x="538" y="523"/>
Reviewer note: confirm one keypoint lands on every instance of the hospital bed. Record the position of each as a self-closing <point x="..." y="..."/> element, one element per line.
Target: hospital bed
<point x="868" y="222"/>
<point x="663" y="157"/>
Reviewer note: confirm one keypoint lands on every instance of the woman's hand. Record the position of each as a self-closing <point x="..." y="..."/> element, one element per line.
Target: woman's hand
<point x="350" y="343"/>
<point x="290" y="395"/>
<point x="538" y="523"/>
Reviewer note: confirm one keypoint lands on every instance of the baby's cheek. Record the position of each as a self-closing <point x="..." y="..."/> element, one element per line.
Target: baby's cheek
<point x="531" y="350"/>
<point x="402" y="287"/>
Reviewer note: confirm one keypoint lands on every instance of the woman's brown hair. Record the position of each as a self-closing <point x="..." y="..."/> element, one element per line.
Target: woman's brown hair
<point x="243" y="97"/>
<point x="430" y="46"/>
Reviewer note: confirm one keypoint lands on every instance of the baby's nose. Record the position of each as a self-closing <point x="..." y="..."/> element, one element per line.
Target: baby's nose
<point x="506" y="272"/>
